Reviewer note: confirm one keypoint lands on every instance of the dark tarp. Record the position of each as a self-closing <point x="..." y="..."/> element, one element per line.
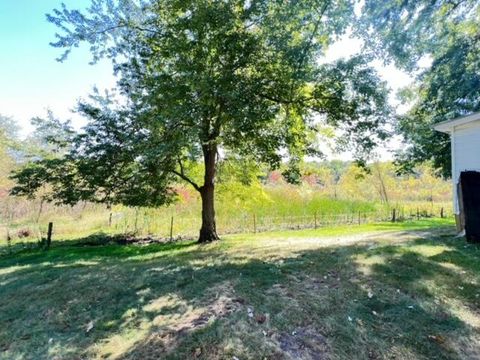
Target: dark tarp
<point x="470" y="201"/>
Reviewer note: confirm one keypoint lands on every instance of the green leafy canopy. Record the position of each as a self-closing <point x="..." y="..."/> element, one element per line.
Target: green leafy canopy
<point x="231" y="78"/>
<point x="447" y="32"/>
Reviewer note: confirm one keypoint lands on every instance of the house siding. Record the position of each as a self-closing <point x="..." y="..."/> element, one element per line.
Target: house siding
<point x="465" y="153"/>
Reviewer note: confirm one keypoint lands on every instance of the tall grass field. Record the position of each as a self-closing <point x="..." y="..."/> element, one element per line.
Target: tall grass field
<point x="239" y="210"/>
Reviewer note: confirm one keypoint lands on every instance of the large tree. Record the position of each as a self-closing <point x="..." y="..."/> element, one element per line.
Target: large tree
<point x="202" y="80"/>
<point x="447" y="32"/>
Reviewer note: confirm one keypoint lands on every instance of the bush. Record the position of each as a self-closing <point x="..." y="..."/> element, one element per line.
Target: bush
<point x="24" y="233"/>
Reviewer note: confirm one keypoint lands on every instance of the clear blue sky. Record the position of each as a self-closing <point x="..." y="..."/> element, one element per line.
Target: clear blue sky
<point x="31" y="80"/>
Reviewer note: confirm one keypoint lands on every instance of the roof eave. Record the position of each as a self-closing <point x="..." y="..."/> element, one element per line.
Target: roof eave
<point x="445" y="128"/>
<point x="449" y="125"/>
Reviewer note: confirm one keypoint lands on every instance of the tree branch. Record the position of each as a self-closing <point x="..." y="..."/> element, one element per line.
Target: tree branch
<point x="182" y="175"/>
<point x="121" y="24"/>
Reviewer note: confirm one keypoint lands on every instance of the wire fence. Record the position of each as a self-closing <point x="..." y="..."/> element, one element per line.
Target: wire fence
<point x="184" y="227"/>
<point x="172" y="226"/>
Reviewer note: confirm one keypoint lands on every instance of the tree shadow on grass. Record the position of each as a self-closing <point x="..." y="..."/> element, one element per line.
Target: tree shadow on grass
<point x="186" y="301"/>
<point x="97" y="246"/>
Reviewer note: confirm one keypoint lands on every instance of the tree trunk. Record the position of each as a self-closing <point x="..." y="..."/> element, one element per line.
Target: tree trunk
<point x="208" y="232"/>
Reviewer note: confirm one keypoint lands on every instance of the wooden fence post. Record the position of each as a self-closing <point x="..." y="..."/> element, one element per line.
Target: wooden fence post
<point x="49" y="234"/>
<point x="441" y="213"/>
<point x="418" y="214"/>
<point x="171" y="229"/>
<point x="394" y="215"/>
<point x="359" y="218"/>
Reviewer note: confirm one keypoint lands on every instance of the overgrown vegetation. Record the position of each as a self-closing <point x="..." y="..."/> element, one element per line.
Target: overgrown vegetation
<point x="328" y="193"/>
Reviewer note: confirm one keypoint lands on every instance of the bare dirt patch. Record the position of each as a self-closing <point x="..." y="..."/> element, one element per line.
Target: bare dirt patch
<point x="304" y="343"/>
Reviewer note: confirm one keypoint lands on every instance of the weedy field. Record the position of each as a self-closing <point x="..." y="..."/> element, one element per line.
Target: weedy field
<point x="378" y="291"/>
<point x="268" y="203"/>
<point x="277" y="209"/>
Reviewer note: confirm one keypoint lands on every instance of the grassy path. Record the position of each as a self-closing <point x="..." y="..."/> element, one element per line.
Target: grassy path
<point x="403" y="291"/>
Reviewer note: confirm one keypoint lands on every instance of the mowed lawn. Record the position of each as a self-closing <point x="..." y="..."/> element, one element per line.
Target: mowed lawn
<point x="389" y="291"/>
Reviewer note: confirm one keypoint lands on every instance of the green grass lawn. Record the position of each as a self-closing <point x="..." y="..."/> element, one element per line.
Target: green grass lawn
<point x="386" y="291"/>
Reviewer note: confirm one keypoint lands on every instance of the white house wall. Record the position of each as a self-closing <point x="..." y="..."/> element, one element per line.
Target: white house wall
<point x="465" y="152"/>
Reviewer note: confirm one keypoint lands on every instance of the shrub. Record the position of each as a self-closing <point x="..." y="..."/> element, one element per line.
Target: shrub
<point x="24" y="233"/>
